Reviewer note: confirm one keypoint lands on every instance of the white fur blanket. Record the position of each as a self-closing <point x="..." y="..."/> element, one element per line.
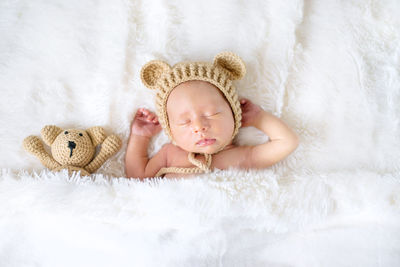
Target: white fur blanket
<point x="329" y="69"/>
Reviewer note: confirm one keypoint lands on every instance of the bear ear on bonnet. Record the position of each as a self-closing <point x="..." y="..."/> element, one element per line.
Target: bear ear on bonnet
<point x="232" y="63"/>
<point x="152" y="71"/>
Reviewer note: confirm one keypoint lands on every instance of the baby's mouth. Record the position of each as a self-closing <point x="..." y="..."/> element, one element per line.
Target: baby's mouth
<point x="206" y="142"/>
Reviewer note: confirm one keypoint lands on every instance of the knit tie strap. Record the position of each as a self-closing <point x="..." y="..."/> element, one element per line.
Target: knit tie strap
<point x="200" y="166"/>
<point x="204" y="167"/>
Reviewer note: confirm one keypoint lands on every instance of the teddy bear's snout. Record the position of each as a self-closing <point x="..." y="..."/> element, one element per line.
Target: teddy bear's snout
<point x="71" y="146"/>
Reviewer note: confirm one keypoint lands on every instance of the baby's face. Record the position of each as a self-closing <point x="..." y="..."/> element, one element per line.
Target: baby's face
<point x="197" y="110"/>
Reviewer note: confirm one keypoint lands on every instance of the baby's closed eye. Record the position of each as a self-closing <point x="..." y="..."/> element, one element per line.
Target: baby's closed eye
<point x="212" y="114"/>
<point x="183" y="122"/>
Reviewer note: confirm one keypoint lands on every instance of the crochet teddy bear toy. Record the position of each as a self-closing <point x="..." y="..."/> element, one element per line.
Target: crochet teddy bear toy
<point x="73" y="149"/>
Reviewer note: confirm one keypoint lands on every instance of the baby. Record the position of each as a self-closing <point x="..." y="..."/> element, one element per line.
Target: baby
<point x="200" y="111"/>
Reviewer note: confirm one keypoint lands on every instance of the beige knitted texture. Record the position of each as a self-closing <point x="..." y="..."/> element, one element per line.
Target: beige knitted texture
<point x="200" y="166"/>
<point x="109" y="147"/>
<point x="34" y="145"/>
<point x="73" y="149"/>
<point x="49" y="133"/>
<point x="97" y="134"/>
<point x="80" y="156"/>
<point x="226" y="67"/>
<point x="187" y="72"/>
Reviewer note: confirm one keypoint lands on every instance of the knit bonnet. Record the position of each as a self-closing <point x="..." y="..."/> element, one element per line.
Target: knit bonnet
<point x="225" y="68"/>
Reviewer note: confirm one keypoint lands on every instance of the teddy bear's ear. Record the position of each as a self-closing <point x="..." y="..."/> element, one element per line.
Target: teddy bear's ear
<point x="97" y="134"/>
<point x="231" y="63"/>
<point x="49" y="133"/>
<point x="152" y="71"/>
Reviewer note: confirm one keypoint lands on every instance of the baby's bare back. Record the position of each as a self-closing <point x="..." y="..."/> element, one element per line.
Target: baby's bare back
<point x="234" y="156"/>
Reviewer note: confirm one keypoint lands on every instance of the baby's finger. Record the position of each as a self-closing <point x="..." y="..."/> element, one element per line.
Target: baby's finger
<point x="138" y="114"/>
<point x="142" y="111"/>
<point x="150" y="117"/>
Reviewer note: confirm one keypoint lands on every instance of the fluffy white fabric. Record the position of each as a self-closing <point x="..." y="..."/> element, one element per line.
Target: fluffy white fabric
<point x="329" y="69"/>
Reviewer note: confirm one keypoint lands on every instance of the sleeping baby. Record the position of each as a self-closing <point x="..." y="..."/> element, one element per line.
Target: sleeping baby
<point x="201" y="113"/>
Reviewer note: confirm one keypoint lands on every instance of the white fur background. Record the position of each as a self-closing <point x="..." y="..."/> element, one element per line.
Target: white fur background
<point x="330" y="69"/>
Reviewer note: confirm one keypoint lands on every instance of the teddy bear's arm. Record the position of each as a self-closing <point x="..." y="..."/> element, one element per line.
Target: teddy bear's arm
<point x="34" y="145"/>
<point x="108" y="148"/>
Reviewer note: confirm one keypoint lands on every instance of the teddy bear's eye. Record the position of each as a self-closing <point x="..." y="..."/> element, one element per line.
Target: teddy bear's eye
<point x="80" y="134"/>
<point x="66" y="132"/>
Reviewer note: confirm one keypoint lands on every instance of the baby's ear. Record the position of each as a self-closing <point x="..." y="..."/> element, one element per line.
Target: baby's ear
<point x="232" y="63"/>
<point x="152" y="71"/>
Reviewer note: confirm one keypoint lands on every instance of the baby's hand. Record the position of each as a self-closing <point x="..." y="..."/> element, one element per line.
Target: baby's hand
<point x="145" y="123"/>
<point x="250" y="112"/>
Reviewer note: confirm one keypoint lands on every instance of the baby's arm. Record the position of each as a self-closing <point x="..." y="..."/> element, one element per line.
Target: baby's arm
<point x="137" y="164"/>
<point x="283" y="141"/>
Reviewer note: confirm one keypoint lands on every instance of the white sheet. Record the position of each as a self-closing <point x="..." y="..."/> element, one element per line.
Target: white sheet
<point x="329" y="69"/>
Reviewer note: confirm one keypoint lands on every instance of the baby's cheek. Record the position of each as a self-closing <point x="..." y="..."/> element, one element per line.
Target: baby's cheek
<point x="225" y="127"/>
<point x="181" y="136"/>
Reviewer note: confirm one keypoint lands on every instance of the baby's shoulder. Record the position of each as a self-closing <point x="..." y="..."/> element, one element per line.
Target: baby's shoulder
<point x="171" y="148"/>
<point x="175" y="154"/>
<point x="236" y="156"/>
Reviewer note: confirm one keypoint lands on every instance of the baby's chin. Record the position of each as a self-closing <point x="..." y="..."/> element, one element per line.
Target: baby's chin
<point x="209" y="149"/>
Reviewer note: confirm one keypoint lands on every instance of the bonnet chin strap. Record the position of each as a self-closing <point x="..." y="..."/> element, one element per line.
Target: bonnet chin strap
<point x="204" y="167"/>
<point x="200" y="166"/>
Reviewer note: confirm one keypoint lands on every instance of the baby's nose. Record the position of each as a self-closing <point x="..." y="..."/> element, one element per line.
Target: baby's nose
<point x="200" y="129"/>
<point x="199" y="126"/>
